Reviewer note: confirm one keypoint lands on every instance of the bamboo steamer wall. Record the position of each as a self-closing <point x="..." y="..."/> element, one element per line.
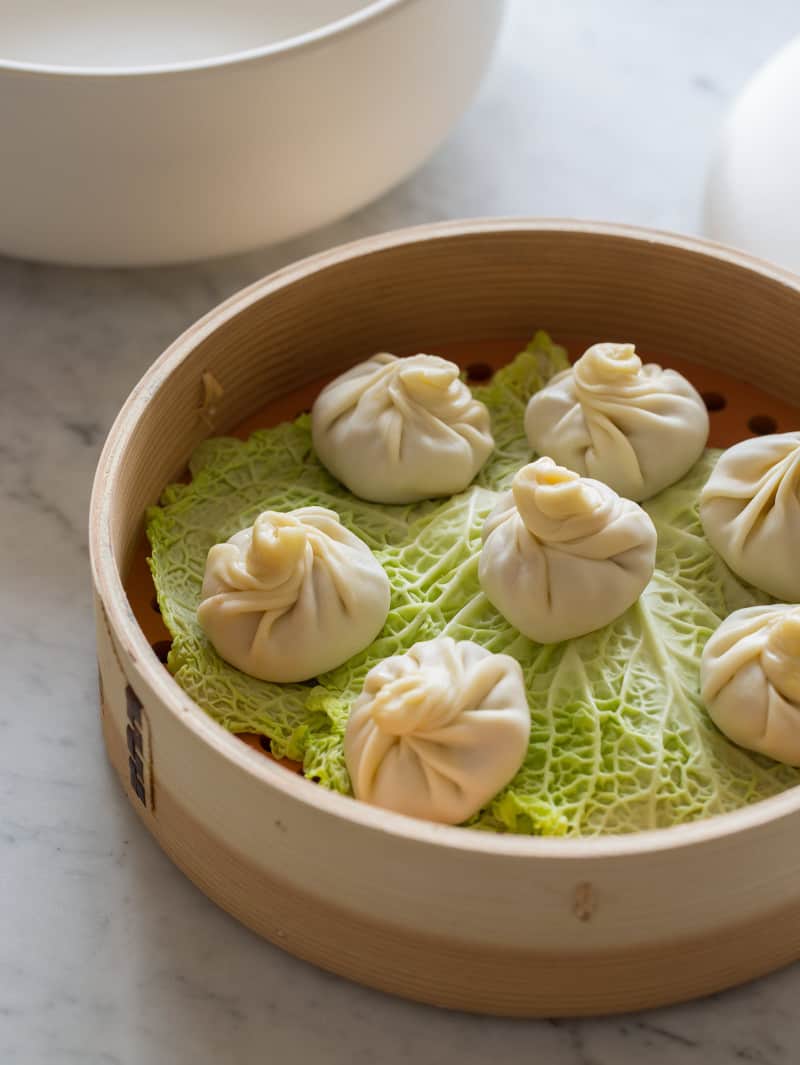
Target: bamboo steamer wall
<point x="457" y="918"/>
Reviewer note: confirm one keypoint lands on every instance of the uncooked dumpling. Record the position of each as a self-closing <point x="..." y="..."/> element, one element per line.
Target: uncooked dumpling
<point x="563" y="555"/>
<point x="438" y="731"/>
<point x="750" y="509"/>
<point x="399" y="430"/>
<point x="293" y="595"/>
<point x="639" y="428"/>
<point x="750" y="680"/>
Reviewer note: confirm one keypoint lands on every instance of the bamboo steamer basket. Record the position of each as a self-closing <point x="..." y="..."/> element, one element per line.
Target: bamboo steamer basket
<point x="475" y="921"/>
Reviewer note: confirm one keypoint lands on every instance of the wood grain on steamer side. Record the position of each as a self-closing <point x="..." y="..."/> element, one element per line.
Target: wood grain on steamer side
<point x="449" y="972"/>
<point x="724" y="891"/>
<point x="484" y="890"/>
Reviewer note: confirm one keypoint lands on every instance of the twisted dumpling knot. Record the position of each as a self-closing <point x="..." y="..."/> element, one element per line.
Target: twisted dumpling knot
<point x="607" y="364"/>
<point x="427" y="377"/>
<point x="543" y="489"/>
<point x="416" y="703"/>
<point x="277" y="547"/>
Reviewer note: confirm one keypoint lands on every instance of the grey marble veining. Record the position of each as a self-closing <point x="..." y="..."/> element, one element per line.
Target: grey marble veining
<point x="108" y="955"/>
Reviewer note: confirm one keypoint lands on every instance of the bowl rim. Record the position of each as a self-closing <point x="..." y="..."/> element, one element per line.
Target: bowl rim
<point x="111" y="592"/>
<point x="356" y="20"/>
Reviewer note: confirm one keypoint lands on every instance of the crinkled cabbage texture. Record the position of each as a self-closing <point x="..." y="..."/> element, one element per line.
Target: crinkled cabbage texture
<point x="620" y="739"/>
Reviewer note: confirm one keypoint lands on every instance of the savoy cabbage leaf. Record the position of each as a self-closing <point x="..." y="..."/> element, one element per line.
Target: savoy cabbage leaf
<point x="620" y="740"/>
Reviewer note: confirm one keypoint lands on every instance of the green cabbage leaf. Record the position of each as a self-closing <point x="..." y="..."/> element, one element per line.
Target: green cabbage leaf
<point x="620" y="740"/>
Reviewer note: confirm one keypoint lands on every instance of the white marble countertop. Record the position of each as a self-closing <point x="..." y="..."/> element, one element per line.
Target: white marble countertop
<point x="107" y="953"/>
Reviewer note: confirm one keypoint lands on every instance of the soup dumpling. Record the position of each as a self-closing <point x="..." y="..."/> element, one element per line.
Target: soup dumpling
<point x="639" y="428"/>
<point x="438" y="731"/>
<point x="398" y="430"/>
<point x="293" y="595"/>
<point x="750" y="509"/>
<point x="563" y="555"/>
<point x="750" y="680"/>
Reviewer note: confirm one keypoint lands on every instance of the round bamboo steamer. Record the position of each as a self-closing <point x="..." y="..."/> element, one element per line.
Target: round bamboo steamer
<point x="490" y="923"/>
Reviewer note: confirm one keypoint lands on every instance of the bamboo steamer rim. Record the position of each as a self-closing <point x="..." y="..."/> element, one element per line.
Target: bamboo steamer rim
<point x="109" y="584"/>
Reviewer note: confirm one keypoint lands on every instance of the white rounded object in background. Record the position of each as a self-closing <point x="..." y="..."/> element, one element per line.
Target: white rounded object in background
<point x="169" y="130"/>
<point x="752" y="196"/>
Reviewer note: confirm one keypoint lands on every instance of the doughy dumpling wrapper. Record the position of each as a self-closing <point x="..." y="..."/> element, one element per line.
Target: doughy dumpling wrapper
<point x="398" y="430"/>
<point x="438" y="731"/>
<point x="293" y="595"/>
<point x="564" y="555"/>
<point x="638" y="428"/>
<point x="750" y="680"/>
<point x="750" y="509"/>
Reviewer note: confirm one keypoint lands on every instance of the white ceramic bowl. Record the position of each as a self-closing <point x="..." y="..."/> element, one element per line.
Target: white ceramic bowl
<point x="169" y="130"/>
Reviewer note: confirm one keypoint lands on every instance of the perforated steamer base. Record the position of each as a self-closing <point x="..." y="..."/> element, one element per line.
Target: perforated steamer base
<point x="456" y="918"/>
